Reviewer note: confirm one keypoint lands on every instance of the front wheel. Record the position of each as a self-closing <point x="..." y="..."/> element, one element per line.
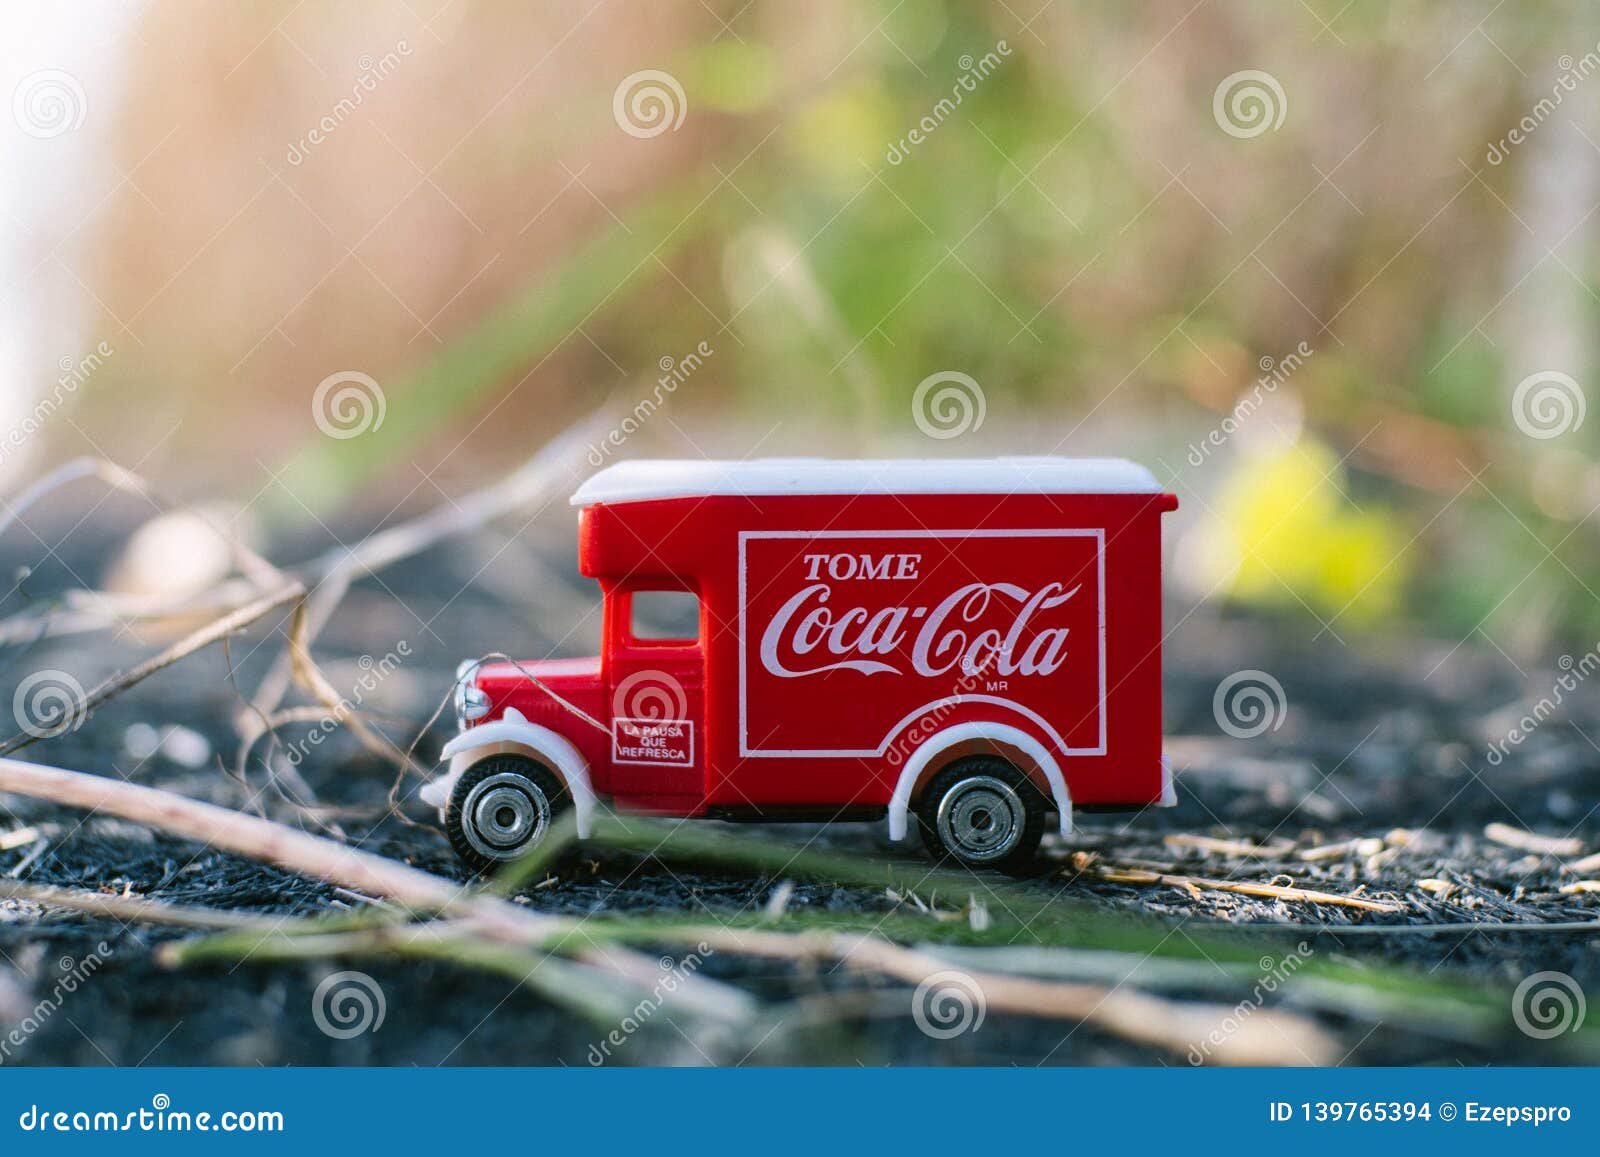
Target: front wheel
<point x="982" y="812"/>
<point x="501" y="807"/>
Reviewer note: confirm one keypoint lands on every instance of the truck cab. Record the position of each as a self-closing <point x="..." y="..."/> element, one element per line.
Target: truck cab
<point x="969" y="645"/>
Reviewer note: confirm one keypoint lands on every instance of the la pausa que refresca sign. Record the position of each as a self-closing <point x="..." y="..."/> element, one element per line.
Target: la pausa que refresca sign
<point x="663" y="742"/>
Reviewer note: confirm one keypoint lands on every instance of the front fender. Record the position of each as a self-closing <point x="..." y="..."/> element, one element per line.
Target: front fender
<point x="555" y="749"/>
<point x="940" y="742"/>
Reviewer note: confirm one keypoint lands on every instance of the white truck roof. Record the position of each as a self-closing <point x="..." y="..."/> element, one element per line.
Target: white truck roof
<point x="644" y="479"/>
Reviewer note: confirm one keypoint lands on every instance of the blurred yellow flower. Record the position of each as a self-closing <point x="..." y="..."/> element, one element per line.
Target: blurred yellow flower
<point x="844" y="129"/>
<point x="733" y="77"/>
<point x="1289" y="535"/>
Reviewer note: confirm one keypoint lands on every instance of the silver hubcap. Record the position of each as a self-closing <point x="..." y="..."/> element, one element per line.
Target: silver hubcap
<point x="981" y="818"/>
<point x="505" y="815"/>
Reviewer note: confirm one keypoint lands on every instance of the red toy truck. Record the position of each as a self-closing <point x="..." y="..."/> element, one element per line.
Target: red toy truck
<point x="975" y="643"/>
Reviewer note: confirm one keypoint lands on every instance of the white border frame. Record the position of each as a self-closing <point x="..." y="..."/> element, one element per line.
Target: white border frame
<point x="1097" y="533"/>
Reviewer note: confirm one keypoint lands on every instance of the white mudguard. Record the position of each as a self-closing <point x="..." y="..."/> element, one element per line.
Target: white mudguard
<point x="942" y="741"/>
<point x="512" y="732"/>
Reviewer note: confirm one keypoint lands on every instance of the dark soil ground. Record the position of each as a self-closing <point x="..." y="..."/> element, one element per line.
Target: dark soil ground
<point x="1381" y="742"/>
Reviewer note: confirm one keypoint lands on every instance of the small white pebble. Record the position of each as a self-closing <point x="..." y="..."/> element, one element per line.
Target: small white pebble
<point x="182" y="745"/>
<point x="140" y="741"/>
<point x="186" y="747"/>
<point x="178" y="553"/>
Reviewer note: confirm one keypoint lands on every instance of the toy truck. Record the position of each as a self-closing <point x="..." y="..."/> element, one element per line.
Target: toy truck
<point x="972" y="646"/>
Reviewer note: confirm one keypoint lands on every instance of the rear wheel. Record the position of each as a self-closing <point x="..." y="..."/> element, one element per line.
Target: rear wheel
<point x="982" y="812"/>
<point x="501" y="807"/>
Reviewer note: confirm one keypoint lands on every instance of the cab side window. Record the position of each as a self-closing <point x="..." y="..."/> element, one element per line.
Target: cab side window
<point x="665" y="617"/>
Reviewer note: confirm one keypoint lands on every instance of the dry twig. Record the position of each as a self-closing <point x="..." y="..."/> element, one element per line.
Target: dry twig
<point x="1270" y="1037"/>
<point x="1587" y="864"/>
<point x="19" y="838"/>
<point x="1357" y="847"/>
<point x="1238" y="849"/>
<point x="337" y="708"/>
<point x="1526" y="841"/>
<point x="331" y="574"/>
<point x="1246" y="888"/>
<point x="205" y="636"/>
<point x="273" y="843"/>
<point x="133" y="909"/>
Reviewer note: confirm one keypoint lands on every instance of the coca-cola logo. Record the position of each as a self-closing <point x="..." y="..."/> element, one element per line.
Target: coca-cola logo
<point x="1000" y="628"/>
<point x="849" y="637"/>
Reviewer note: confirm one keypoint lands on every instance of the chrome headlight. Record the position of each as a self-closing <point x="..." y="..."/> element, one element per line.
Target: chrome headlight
<point x="471" y="702"/>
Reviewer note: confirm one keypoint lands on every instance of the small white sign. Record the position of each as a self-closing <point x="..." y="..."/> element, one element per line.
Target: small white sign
<point x="659" y="742"/>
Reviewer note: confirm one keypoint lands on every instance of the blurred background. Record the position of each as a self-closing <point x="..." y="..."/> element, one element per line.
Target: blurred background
<point x="1327" y="267"/>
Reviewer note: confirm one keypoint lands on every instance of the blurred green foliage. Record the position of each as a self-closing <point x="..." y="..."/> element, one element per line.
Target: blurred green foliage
<point x="866" y="195"/>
